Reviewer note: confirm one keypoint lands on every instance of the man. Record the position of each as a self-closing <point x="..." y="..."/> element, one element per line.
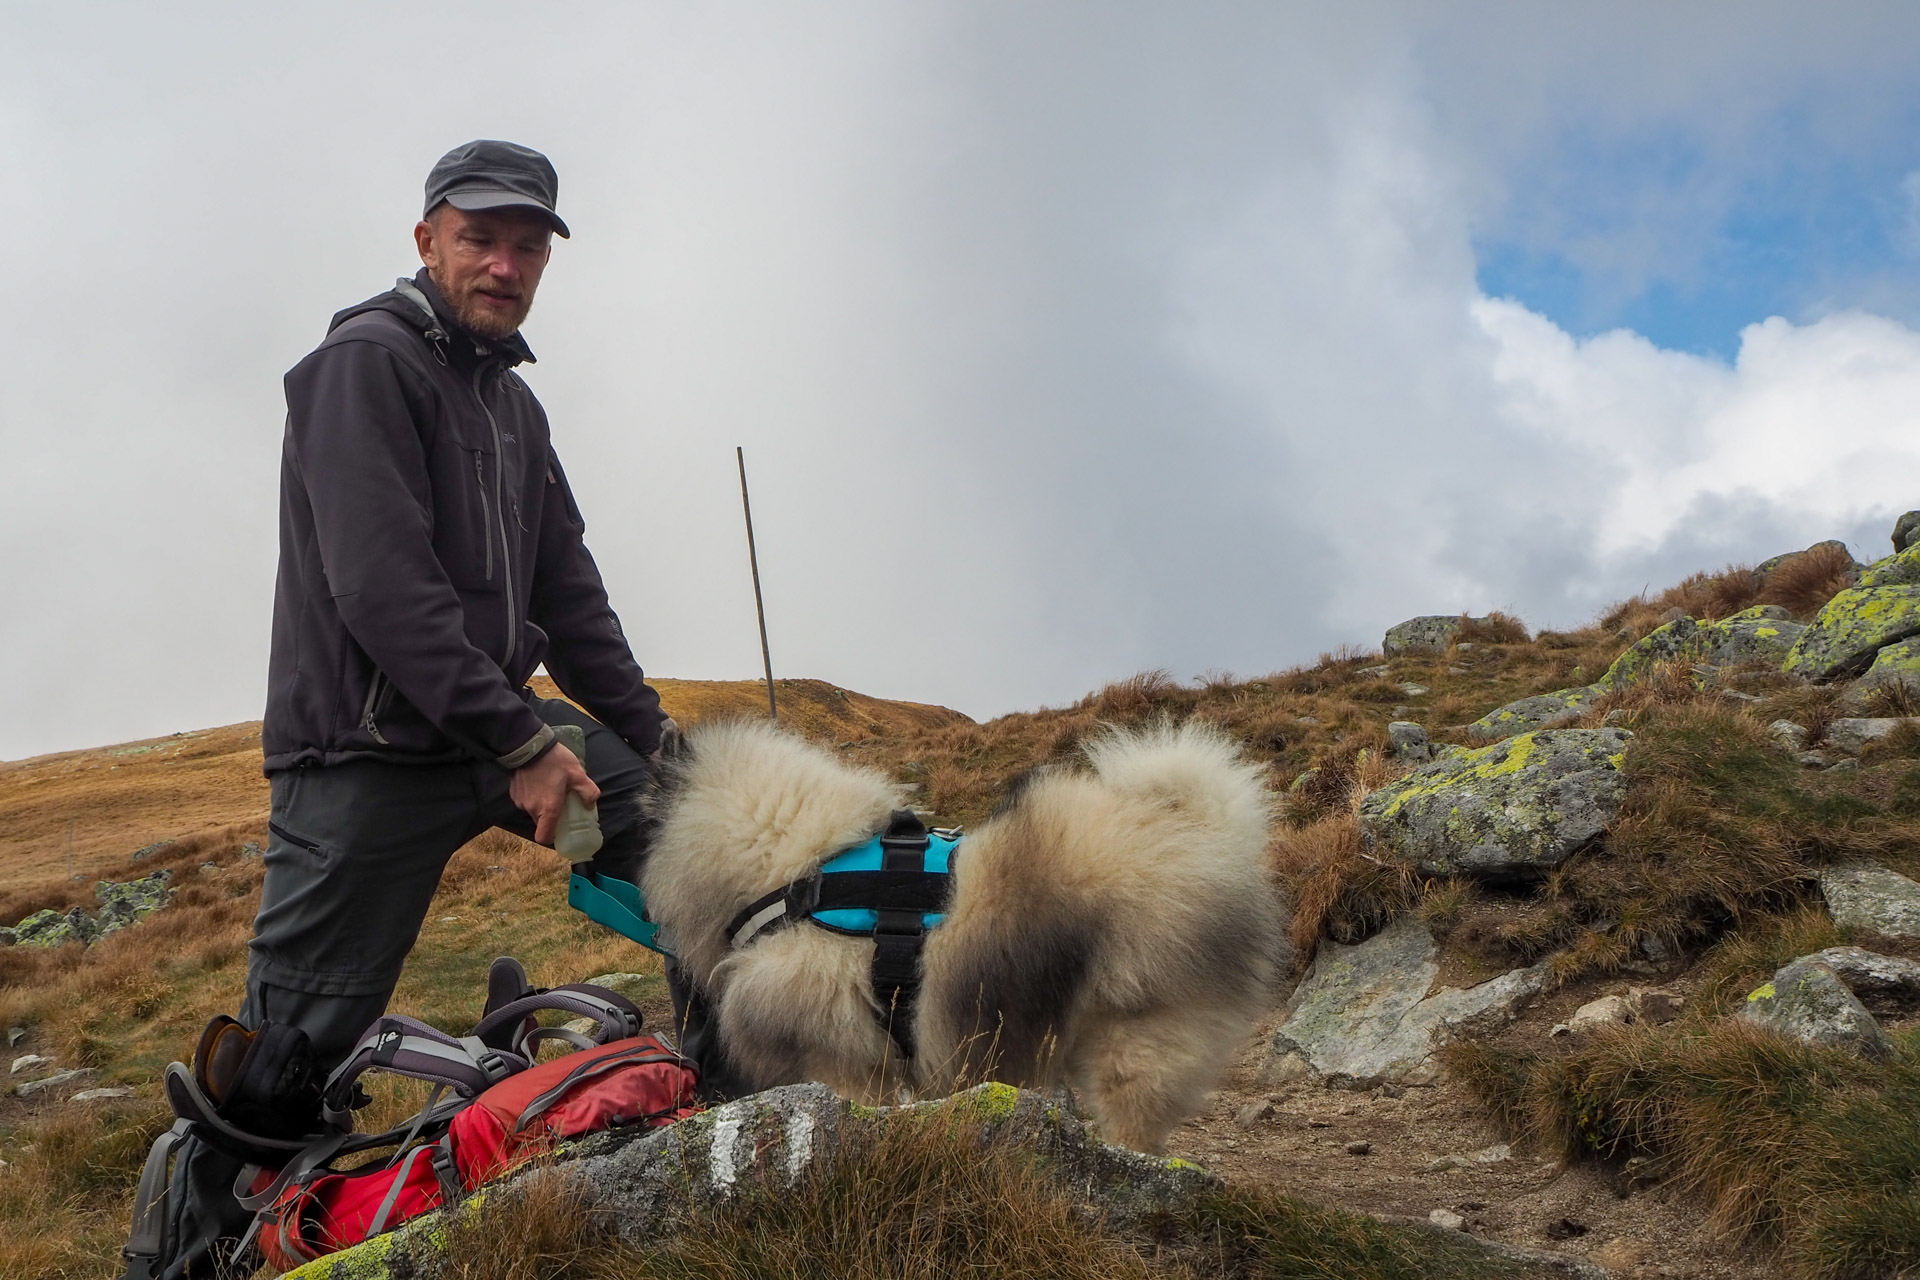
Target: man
<point x="431" y="557"/>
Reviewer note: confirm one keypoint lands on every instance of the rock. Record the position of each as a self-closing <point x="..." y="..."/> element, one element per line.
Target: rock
<point x="1892" y="981"/>
<point x="1284" y="1068"/>
<point x="59" y="1079"/>
<point x="1765" y="633"/>
<point x="1901" y="569"/>
<point x="147" y="851"/>
<point x="1905" y="529"/>
<point x="30" y="1062"/>
<point x="1607" y="1011"/>
<point x="1895" y="674"/>
<point x="1559" y="1030"/>
<point x="645" y="1183"/>
<point x="121" y="904"/>
<point x="1541" y="711"/>
<point x="1769" y="565"/>
<point x="1853" y="627"/>
<point x="1815" y="760"/>
<point x="1413" y="690"/>
<point x="1362" y="1015"/>
<point x="1807" y="1000"/>
<point x="102" y="1095"/>
<point x="1447" y="1220"/>
<point x="1516" y="809"/>
<point x="1789" y="735"/>
<point x="1486" y="1155"/>
<point x="1852" y="735"/>
<point x="1430" y="634"/>
<point x="1373" y="673"/>
<point x="1675" y="640"/>
<point x="15" y="1035"/>
<point x="1864" y="896"/>
<point x="1652" y="1005"/>
<point x="251" y="850"/>
<point x="1410" y="742"/>
<point x="1361" y="1148"/>
<point x="51" y="928"/>
<point x="1254" y="1114"/>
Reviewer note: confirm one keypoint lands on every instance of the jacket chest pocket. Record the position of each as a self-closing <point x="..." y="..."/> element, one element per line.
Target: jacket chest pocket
<point x="467" y="500"/>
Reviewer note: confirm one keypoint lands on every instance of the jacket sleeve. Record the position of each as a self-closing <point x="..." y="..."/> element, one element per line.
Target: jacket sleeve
<point x="588" y="657"/>
<point x="364" y="467"/>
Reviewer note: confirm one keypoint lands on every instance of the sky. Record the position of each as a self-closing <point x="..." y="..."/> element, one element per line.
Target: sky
<point x="1064" y="340"/>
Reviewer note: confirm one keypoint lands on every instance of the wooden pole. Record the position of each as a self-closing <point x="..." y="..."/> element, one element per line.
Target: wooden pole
<point x="759" y="604"/>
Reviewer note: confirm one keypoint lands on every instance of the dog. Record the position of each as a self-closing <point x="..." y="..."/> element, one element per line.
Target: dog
<point x="1111" y="927"/>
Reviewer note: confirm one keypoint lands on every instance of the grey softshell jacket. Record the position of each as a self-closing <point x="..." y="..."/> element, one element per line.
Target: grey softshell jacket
<point x="431" y="555"/>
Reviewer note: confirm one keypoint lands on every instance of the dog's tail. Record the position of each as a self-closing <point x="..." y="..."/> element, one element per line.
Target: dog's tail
<point x="1194" y="769"/>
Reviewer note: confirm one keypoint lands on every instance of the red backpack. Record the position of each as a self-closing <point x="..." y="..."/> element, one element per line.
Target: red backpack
<point x="312" y="1207"/>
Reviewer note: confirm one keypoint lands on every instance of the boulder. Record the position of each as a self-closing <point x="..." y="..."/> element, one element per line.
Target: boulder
<point x="1362" y="1016"/>
<point x="1789" y="735"/>
<point x="1807" y="1000"/>
<point x="1901" y="569"/>
<point x="1410" y="742"/>
<point x="1607" y="1011"/>
<point x="645" y="1183"/>
<point x="1516" y="809"/>
<point x="1425" y="635"/>
<point x="1853" y="627"/>
<point x="1769" y="565"/>
<point x="1765" y="633"/>
<point x="121" y="904"/>
<point x="1663" y="644"/>
<point x="1905" y="530"/>
<point x="1541" y="711"/>
<point x="1895" y="671"/>
<point x="1852" y="735"/>
<point x="1872" y="898"/>
<point x="58" y="1080"/>
<point x="1890" y="981"/>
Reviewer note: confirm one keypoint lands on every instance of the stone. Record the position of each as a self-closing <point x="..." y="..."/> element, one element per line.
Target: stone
<point x="1373" y="673"/>
<point x="148" y="850"/>
<point x="1413" y="690"/>
<point x="1905" y="530"/>
<point x="1765" y="633"/>
<point x="121" y="904"/>
<point x="1769" y="565"/>
<point x="1892" y="981"/>
<point x="1409" y="742"/>
<point x="59" y="1079"/>
<point x="1654" y="1006"/>
<point x="1541" y="711"/>
<point x="1513" y="810"/>
<point x="1789" y="735"/>
<point x="645" y="1183"/>
<point x="1900" y="569"/>
<point x="1675" y="640"/>
<point x="1447" y="1220"/>
<point x="1607" y="1011"/>
<point x="51" y="928"/>
<point x="1485" y="1156"/>
<point x="1433" y="633"/>
<point x="102" y="1095"/>
<point x="1362" y="1015"/>
<point x="1285" y="1068"/>
<point x="30" y="1062"/>
<point x="251" y="850"/>
<point x="1873" y="898"/>
<point x="1360" y="1148"/>
<point x="1853" y="627"/>
<point x="1807" y="1000"/>
<point x="1853" y="734"/>
<point x="1254" y="1114"/>
<point x="1894" y="675"/>
<point x="15" y="1035"/>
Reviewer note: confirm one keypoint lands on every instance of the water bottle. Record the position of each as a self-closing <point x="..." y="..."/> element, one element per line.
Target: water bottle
<point x="577" y="838"/>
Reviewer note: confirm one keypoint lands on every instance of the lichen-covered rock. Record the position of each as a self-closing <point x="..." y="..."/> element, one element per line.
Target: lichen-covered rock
<point x="1901" y="569"/>
<point x="1764" y="633"/>
<point x="1409" y="742"/>
<point x="1807" y="1000"/>
<point x="1769" y="565"/>
<point x="1663" y="644"/>
<point x="1893" y="981"/>
<point x="1541" y="711"/>
<point x="1906" y="530"/>
<point x="1895" y="673"/>
<point x="644" y="1183"/>
<point x="1362" y="1015"/>
<point x="1853" y="734"/>
<point x="51" y="928"/>
<point x="1864" y="896"/>
<point x="120" y="905"/>
<point x="1430" y="634"/>
<point x="1516" y="809"/>
<point x="1853" y="627"/>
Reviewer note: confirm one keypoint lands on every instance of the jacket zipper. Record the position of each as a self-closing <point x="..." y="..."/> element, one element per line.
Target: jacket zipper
<point x="500" y="516"/>
<point x="374" y="690"/>
<point x="486" y="512"/>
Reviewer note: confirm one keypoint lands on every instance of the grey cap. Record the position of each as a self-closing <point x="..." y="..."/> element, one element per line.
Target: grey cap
<point x="495" y="175"/>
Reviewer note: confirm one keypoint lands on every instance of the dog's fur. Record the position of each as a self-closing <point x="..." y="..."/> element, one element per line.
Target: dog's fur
<point x="1111" y="928"/>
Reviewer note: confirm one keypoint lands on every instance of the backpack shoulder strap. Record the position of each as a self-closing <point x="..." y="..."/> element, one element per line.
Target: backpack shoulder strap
<point x="409" y="1047"/>
<point x="619" y="1017"/>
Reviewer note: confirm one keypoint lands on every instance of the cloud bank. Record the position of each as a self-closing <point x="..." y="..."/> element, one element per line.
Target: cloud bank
<point x="1063" y="341"/>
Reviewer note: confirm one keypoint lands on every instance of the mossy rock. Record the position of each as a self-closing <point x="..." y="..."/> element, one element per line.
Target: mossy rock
<point x="1852" y="629"/>
<point x="1895" y="668"/>
<point x="1430" y="634"/>
<point x="1677" y="639"/>
<point x="1541" y="711"/>
<point x="1901" y="569"/>
<point x="1808" y="1001"/>
<point x="1514" y="810"/>
<point x="1764" y="633"/>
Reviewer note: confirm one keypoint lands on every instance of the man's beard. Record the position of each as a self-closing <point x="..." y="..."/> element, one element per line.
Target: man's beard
<point x="480" y="319"/>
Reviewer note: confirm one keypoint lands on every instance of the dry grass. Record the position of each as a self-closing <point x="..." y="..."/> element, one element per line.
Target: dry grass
<point x="1807" y="1148"/>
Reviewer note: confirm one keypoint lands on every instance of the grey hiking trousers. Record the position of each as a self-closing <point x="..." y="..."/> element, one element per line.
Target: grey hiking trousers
<point x="355" y="853"/>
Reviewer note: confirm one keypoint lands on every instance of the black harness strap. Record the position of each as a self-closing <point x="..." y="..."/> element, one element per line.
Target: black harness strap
<point x="898" y="937"/>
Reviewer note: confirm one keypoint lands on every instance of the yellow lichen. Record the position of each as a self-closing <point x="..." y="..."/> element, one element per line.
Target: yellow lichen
<point x="1764" y="991"/>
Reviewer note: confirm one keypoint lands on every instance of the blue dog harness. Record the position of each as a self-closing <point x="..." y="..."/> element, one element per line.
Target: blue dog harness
<point x="894" y="888"/>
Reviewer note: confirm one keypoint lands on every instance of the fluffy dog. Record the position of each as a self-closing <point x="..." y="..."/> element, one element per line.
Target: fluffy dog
<point x="1112" y="927"/>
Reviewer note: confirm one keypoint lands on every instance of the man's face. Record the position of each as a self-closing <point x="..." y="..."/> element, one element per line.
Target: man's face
<point x="487" y="263"/>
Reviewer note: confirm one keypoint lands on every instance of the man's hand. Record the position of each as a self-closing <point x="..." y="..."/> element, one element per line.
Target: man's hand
<point x="540" y="788"/>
